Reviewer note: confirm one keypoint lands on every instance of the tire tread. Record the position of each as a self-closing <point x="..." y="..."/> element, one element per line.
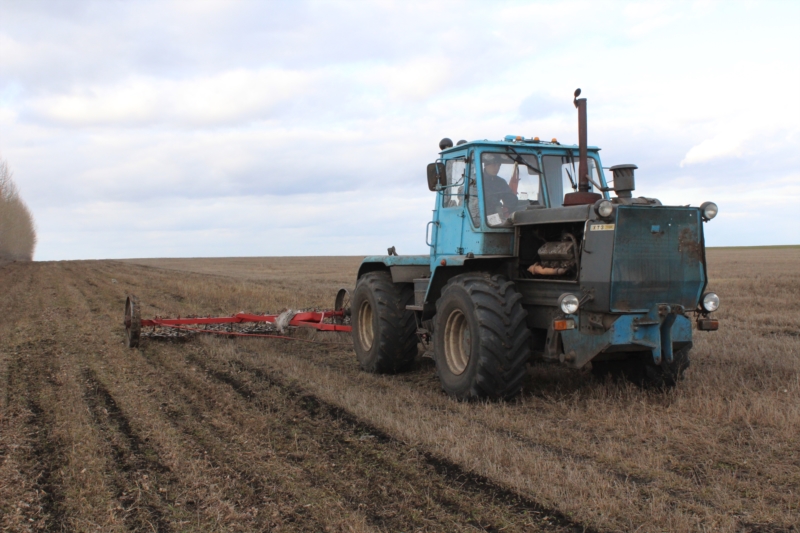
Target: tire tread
<point x="396" y="335"/>
<point x="504" y="346"/>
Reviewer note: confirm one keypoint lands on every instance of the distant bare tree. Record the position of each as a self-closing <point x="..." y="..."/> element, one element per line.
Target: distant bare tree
<point x="17" y="230"/>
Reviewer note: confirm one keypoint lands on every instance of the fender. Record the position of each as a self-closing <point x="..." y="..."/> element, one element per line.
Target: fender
<point x="459" y="264"/>
<point x="404" y="268"/>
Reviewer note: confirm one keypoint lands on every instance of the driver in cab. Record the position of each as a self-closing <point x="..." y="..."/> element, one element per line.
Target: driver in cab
<point x="501" y="200"/>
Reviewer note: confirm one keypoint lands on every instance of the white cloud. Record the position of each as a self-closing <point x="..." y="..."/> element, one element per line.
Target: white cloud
<point x="645" y="17"/>
<point x="237" y="95"/>
<point x="415" y="80"/>
<point x="724" y="145"/>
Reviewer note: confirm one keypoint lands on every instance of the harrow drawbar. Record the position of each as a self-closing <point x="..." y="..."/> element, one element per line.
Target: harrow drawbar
<point x="240" y="324"/>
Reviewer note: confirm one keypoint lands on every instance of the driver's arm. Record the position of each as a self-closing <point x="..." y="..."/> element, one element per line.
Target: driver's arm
<point x="514" y="181"/>
<point x="499" y="191"/>
<point x="507" y="194"/>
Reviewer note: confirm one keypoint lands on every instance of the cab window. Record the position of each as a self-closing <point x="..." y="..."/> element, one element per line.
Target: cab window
<point x="454" y="193"/>
<point x="511" y="182"/>
<point x="561" y="173"/>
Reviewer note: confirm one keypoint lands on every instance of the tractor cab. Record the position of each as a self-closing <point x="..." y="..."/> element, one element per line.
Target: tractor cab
<point x="495" y="179"/>
<point x="483" y="186"/>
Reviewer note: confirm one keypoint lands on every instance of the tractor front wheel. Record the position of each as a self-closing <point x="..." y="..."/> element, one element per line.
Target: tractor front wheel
<point x="384" y="331"/>
<point x="481" y="340"/>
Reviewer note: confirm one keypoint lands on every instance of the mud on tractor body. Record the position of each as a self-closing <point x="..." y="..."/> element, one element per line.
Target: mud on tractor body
<point x="532" y="259"/>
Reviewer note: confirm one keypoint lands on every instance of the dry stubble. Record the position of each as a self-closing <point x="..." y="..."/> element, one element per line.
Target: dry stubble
<point x="238" y="434"/>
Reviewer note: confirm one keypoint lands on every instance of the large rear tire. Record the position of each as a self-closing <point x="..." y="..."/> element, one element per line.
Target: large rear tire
<point x="384" y="331"/>
<point x="481" y="340"/>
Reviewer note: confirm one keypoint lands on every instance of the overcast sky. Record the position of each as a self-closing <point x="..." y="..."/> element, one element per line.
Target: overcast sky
<point x="223" y="128"/>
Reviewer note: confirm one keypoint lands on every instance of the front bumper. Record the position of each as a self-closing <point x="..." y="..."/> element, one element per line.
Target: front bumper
<point x="659" y="331"/>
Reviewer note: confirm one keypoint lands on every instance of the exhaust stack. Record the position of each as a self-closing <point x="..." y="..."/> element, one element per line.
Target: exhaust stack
<point x="583" y="179"/>
<point x="582" y="196"/>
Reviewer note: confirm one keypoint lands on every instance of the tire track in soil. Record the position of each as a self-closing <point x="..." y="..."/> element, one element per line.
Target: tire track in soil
<point x="190" y="431"/>
<point x="443" y="467"/>
<point x="310" y="407"/>
<point x="462" y="481"/>
<point x="40" y="457"/>
<point x="131" y="460"/>
<point x="639" y="480"/>
<point x="248" y="477"/>
<point x="454" y="512"/>
<point x="42" y="462"/>
<point x="211" y="450"/>
<point x="530" y="443"/>
<point x="45" y="456"/>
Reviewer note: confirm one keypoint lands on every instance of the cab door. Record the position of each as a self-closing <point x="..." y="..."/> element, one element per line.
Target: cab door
<point x="449" y="223"/>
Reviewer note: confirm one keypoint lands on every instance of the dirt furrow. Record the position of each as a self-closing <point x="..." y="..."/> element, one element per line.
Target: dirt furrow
<point x="413" y="379"/>
<point x="239" y="442"/>
<point x="671" y="481"/>
<point x="44" y="461"/>
<point x="456" y="492"/>
<point x="234" y="493"/>
<point x="140" y="479"/>
<point x="27" y="443"/>
<point x="668" y="482"/>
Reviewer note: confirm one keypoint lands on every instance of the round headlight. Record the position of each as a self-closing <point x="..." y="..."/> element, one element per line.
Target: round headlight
<point x="709" y="210"/>
<point x="604" y="208"/>
<point x="569" y="304"/>
<point x="710" y="302"/>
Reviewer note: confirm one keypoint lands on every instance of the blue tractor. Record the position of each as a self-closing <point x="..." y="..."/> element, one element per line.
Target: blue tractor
<point x="532" y="259"/>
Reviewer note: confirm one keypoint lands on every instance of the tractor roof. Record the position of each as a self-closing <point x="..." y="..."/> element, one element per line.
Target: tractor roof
<point x="518" y="142"/>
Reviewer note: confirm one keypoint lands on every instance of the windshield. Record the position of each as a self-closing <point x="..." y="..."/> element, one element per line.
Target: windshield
<point x="511" y="182"/>
<point x="561" y="173"/>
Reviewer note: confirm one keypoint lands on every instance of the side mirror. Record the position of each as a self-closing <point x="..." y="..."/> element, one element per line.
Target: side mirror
<point x="436" y="175"/>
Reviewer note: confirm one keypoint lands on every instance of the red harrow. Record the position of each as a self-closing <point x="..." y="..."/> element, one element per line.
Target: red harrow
<point x="240" y="324"/>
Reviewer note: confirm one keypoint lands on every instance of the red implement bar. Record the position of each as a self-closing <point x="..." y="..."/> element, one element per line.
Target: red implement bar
<point x="305" y="319"/>
<point x="301" y="319"/>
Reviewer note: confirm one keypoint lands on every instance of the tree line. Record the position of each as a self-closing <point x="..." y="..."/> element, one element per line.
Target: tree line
<point x="17" y="229"/>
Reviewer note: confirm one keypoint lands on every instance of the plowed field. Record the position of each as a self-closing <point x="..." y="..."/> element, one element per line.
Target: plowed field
<point x="218" y="434"/>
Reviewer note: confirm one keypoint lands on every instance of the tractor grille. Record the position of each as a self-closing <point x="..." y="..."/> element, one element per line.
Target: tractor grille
<point x="658" y="258"/>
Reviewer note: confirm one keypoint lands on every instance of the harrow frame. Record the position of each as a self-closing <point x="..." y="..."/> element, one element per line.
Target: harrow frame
<point x="301" y="319"/>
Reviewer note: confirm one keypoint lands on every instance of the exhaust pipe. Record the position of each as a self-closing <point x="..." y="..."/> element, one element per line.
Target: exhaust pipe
<point x="583" y="178"/>
<point x="582" y="196"/>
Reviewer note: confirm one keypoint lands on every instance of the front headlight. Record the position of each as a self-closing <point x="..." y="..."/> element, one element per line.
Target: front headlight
<point x="604" y="208"/>
<point x="569" y="304"/>
<point x="709" y="210"/>
<point x="710" y="302"/>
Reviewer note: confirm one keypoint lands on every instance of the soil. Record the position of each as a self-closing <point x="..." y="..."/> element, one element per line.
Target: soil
<point x="237" y="448"/>
<point x="253" y="434"/>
